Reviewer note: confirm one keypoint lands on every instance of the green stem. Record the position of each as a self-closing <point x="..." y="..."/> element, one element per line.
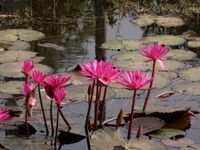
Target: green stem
<point x="132" y="115"/>
<point x="89" y="106"/>
<point x="103" y="106"/>
<point x="51" y="118"/>
<point x="57" y="120"/>
<point x="150" y="86"/>
<point x="97" y="103"/>
<point x="42" y="108"/>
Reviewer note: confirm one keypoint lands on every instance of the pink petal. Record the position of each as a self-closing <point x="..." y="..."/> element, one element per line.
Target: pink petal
<point x="161" y="64"/>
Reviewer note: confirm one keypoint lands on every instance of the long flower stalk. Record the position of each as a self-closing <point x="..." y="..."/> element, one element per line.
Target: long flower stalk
<point x="97" y="103"/>
<point x="89" y="105"/>
<point x="43" y="113"/>
<point x="26" y="116"/>
<point x="103" y="106"/>
<point x="51" y="118"/>
<point x="132" y="115"/>
<point x="150" y="87"/>
<point x="63" y="117"/>
<point x="57" y="121"/>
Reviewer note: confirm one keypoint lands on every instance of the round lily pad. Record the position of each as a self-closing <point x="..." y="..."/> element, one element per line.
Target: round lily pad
<point x="171" y="65"/>
<point x="169" y="21"/>
<point x="180" y="54"/>
<point x="106" y="138"/>
<point x="145" y="20"/>
<point x="11" y="87"/>
<point x="133" y="56"/>
<point x="149" y="124"/>
<point x="170" y="40"/>
<point x="145" y="145"/>
<point x="133" y="44"/>
<point x="181" y="142"/>
<point x="194" y="44"/>
<point x="20" y="45"/>
<point x="167" y="133"/>
<point x="114" y="45"/>
<point x="192" y="88"/>
<point x="16" y="56"/>
<point x="20" y="34"/>
<point x="191" y="147"/>
<point x="191" y="74"/>
<point x="15" y="69"/>
<point x="77" y="79"/>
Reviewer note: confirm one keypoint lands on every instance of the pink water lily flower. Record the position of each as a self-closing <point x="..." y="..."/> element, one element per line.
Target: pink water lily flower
<point x="103" y="71"/>
<point x="4" y="114"/>
<point x="27" y="89"/>
<point x="155" y="53"/>
<point x="57" y="81"/>
<point x="38" y="76"/>
<point x="59" y="95"/>
<point x="27" y="66"/>
<point x="134" y="80"/>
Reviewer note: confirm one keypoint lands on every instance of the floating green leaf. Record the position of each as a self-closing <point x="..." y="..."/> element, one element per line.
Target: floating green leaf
<point x="192" y="74"/>
<point x="20" y="34"/>
<point x="167" y="133"/>
<point x="132" y="44"/>
<point x="11" y="87"/>
<point x="170" y="40"/>
<point x="114" y="45"/>
<point x="194" y="44"/>
<point x="192" y="88"/>
<point x="169" y="21"/>
<point x="180" y="54"/>
<point x="181" y="142"/>
<point x="145" y="20"/>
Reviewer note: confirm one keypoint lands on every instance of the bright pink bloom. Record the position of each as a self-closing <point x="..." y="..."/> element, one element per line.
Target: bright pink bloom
<point x="59" y="95"/>
<point x="58" y="81"/>
<point x="155" y="53"/>
<point x="38" y="76"/>
<point x="27" y="66"/>
<point x="103" y="71"/>
<point x="27" y="89"/>
<point x="4" y="114"/>
<point x="134" y="80"/>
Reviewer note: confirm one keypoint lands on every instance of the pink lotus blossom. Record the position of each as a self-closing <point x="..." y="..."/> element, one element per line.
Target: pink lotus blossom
<point x="103" y="71"/>
<point x="4" y="114"/>
<point x="59" y="95"/>
<point x="155" y="53"/>
<point x="134" y="80"/>
<point x="38" y="76"/>
<point x="27" y="66"/>
<point x="27" y="89"/>
<point x="58" y="81"/>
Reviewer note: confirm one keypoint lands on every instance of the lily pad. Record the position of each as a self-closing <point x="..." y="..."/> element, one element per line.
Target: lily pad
<point x="106" y="139"/>
<point x="149" y="124"/>
<point x="11" y="87"/>
<point x="145" y="20"/>
<point x="181" y="142"/>
<point x="16" y="56"/>
<point x="170" y="40"/>
<point x="77" y="79"/>
<point x="15" y="69"/>
<point x="20" y="45"/>
<point x="191" y="147"/>
<point x="133" y="56"/>
<point x="133" y="44"/>
<point x="191" y="88"/>
<point x="191" y="74"/>
<point x="18" y="143"/>
<point x="169" y="21"/>
<point x="145" y="145"/>
<point x="114" y="45"/>
<point x="167" y="133"/>
<point x="52" y="45"/>
<point x="194" y="44"/>
<point x="180" y="54"/>
<point x="20" y="34"/>
<point x="171" y="65"/>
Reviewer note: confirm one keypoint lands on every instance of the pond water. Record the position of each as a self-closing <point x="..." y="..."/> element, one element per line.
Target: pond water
<point x="80" y="27"/>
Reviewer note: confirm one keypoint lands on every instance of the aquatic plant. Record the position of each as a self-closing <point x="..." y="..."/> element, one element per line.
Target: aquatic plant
<point x="155" y="53"/>
<point x="134" y="81"/>
<point x="27" y="66"/>
<point x="4" y="114"/>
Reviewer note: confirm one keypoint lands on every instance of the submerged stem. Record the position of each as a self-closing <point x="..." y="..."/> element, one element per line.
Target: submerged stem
<point x="132" y="115"/>
<point x="150" y="86"/>
<point x="42" y="108"/>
